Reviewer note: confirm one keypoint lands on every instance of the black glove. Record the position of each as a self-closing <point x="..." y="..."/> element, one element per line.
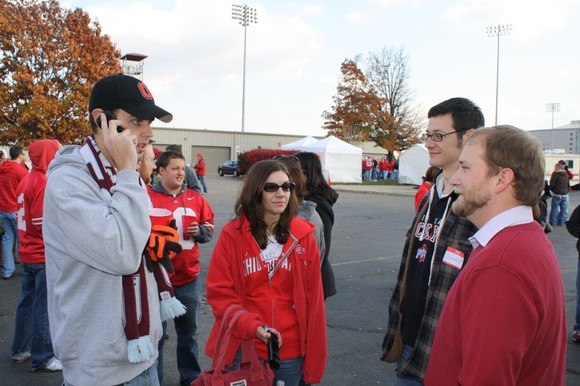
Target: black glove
<point x="163" y="245"/>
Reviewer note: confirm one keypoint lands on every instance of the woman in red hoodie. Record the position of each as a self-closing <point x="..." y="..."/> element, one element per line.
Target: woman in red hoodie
<point x="266" y="260"/>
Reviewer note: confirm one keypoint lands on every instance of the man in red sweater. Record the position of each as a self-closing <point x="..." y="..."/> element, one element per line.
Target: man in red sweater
<point x="171" y="193"/>
<point x="11" y="173"/>
<point x="504" y="320"/>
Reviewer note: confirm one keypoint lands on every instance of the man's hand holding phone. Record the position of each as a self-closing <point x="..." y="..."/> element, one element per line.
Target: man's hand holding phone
<point x="119" y="144"/>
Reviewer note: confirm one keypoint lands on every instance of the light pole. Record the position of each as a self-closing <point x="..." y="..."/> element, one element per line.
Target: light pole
<point x="245" y="15"/>
<point x="492" y="31"/>
<point x="553" y="108"/>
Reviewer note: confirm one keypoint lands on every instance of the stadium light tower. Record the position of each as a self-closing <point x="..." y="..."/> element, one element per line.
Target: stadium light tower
<point x="492" y="31"/>
<point x="245" y="16"/>
<point x="553" y="108"/>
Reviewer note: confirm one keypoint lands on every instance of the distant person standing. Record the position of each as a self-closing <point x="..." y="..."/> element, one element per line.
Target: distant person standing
<point x="368" y="164"/>
<point x="200" y="171"/>
<point x="559" y="183"/>
<point x="428" y="182"/>
<point x="395" y="170"/>
<point x="31" y="328"/>
<point x="11" y="173"/>
<point x="573" y="226"/>
<point x="2" y="156"/>
<point x="568" y="171"/>
<point x="383" y="168"/>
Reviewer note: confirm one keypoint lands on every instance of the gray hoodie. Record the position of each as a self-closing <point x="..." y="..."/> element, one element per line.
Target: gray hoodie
<point x="307" y="211"/>
<point x="93" y="238"/>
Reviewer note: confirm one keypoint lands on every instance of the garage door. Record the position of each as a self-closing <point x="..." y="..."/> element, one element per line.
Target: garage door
<point x="214" y="156"/>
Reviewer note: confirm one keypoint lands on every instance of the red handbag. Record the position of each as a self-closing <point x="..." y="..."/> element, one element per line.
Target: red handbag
<point x="251" y="372"/>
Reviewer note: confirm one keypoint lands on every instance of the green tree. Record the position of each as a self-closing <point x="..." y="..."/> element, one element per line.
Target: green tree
<point x="50" y="58"/>
<point x="357" y="113"/>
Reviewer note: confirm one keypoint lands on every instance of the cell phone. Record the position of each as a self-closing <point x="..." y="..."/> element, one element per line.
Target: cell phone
<point x="273" y="351"/>
<point x="110" y="116"/>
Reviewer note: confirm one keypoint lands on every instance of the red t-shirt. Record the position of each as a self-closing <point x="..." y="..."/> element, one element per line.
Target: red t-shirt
<point x="11" y="173"/>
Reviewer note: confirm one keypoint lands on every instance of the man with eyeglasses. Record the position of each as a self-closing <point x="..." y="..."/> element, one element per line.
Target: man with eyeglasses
<point x="436" y="249"/>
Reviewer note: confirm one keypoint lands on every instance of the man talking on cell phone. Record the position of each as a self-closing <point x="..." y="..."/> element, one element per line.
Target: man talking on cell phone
<point x="103" y="303"/>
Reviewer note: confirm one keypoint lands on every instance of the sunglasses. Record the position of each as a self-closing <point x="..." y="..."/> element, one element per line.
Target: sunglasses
<point x="271" y="187"/>
<point x="284" y="157"/>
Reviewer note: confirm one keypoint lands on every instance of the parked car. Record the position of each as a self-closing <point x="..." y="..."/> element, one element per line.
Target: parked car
<point x="229" y="167"/>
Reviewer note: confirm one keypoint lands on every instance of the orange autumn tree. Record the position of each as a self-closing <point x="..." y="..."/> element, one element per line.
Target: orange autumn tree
<point x="357" y="113"/>
<point x="50" y="58"/>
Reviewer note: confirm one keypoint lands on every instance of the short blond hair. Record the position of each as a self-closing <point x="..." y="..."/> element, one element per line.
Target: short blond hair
<point x="509" y="147"/>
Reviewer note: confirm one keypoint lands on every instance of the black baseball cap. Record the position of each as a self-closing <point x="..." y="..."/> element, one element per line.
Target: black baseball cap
<point x="128" y="93"/>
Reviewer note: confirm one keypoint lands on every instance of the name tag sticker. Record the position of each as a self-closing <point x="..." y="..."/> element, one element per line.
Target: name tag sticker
<point x="453" y="258"/>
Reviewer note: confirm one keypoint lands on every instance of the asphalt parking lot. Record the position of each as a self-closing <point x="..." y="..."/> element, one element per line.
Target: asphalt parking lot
<point x="367" y="242"/>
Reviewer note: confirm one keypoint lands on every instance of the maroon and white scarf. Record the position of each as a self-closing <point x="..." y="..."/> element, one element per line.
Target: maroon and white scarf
<point x="139" y="345"/>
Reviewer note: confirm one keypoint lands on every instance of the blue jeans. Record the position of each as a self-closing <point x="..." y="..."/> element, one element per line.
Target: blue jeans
<point x="559" y="212"/>
<point x="368" y="175"/>
<point x="202" y="182"/>
<point x="9" y="239"/>
<point x="186" y="329"/>
<point x="146" y="378"/>
<point x="31" y="328"/>
<point x="290" y="370"/>
<point x="407" y="381"/>
<point x="577" y="321"/>
<point x="395" y="175"/>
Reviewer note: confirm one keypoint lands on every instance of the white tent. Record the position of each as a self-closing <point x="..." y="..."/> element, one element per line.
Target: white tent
<point x="299" y="145"/>
<point x="413" y="163"/>
<point x="342" y="159"/>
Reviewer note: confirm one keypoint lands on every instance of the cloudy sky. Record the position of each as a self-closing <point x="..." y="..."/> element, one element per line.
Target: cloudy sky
<point x="294" y="52"/>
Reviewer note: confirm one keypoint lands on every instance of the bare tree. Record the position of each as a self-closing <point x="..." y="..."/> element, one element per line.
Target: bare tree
<point x="388" y="73"/>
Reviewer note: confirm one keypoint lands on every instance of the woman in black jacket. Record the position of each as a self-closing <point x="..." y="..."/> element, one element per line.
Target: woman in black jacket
<point x="319" y="192"/>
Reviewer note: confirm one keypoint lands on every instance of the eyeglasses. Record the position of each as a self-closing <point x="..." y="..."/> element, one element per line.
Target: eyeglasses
<point x="271" y="187"/>
<point x="437" y="137"/>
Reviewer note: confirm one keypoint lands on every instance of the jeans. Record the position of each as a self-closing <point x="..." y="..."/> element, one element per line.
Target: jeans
<point x="31" y="328"/>
<point x="186" y="329"/>
<point x="146" y="378"/>
<point x="368" y="175"/>
<point x="395" y="175"/>
<point x="559" y="211"/>
<point x="407" y="381"/>
<point x="290" y="370"/>
<point x="201" y="180"/>
<point x="577" y="321"/>
<point x="9" y="238"/>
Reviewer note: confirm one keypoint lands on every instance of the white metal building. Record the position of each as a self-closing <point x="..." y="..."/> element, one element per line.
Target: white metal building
<point x="566" y="138"/>
<point x="217" y="146"/>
